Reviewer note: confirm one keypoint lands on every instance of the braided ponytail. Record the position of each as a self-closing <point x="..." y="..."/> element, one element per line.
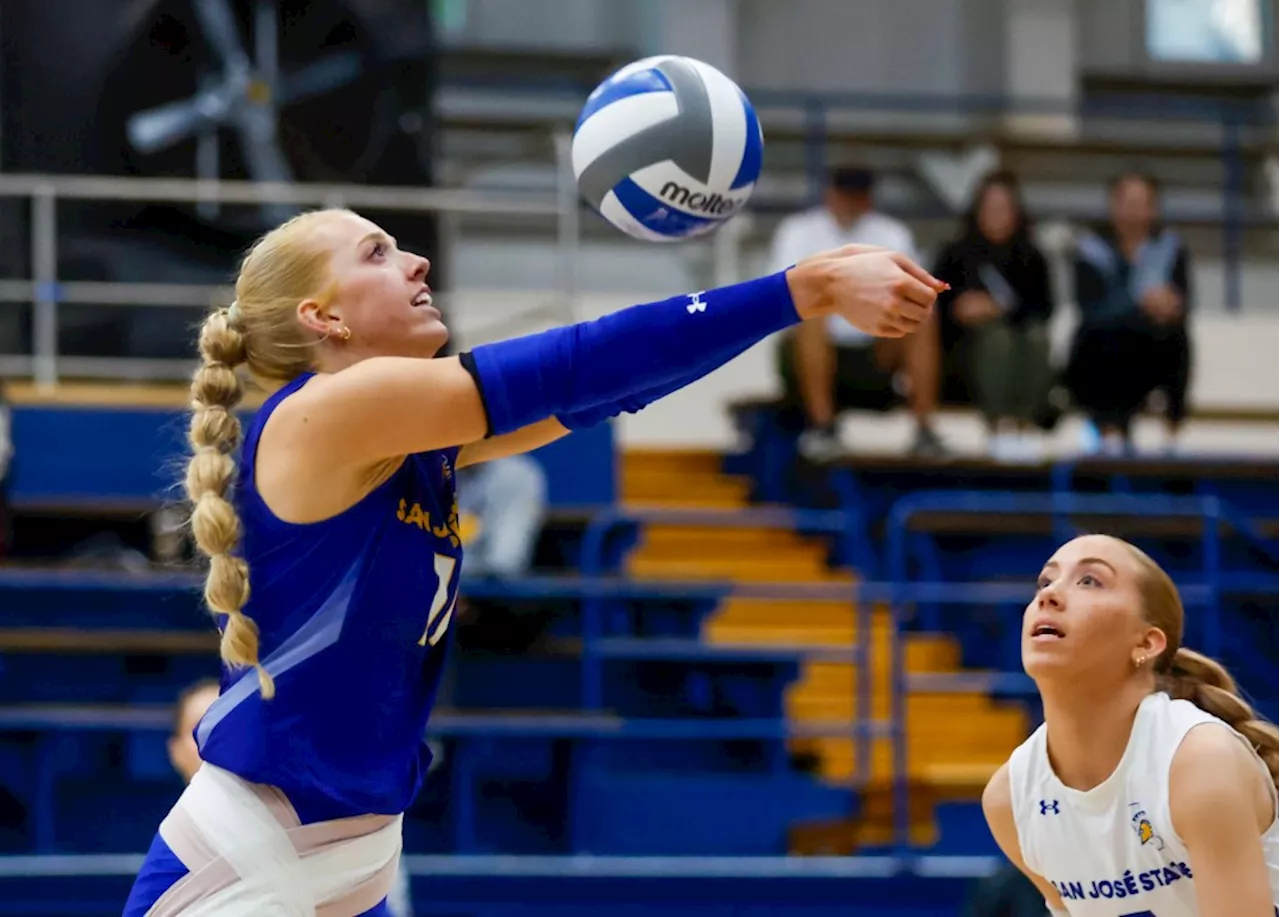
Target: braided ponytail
<point x="1188" y="675"/>
<point x="214" y="435"/>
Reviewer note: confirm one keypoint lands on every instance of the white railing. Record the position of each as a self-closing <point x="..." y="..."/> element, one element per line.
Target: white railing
<point x="45" y="291"/>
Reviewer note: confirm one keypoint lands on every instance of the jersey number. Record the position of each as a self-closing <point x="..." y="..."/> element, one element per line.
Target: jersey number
<point x="442" y="602"/>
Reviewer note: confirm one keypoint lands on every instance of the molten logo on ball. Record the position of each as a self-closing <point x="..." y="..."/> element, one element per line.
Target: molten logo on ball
<point x="703" y="203"/>
<point x="667" y="148"/>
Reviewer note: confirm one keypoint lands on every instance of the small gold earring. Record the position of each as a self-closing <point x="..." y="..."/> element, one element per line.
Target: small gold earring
<point x="346" y="333"/>
<point x="1137" y="663"/>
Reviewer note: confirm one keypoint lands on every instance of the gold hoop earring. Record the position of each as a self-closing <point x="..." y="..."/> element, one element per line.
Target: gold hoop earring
<point x="346" y="333"/>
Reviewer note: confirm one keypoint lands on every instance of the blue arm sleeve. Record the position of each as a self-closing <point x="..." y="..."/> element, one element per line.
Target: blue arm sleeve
<point x="625" y="360"/>
<point x="637" y="401"/>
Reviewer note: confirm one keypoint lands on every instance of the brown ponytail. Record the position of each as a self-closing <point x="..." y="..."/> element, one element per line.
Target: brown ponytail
<point x="1187" y="675"/>
<point x="1204" y="682"/>
<point x="214" y="435"/>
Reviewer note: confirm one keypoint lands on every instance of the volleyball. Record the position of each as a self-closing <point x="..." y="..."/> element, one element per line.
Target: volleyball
<point x="667" y="148"/>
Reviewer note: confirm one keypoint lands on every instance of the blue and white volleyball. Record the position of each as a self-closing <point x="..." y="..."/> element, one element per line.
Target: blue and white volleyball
<point x="667" y="148"/>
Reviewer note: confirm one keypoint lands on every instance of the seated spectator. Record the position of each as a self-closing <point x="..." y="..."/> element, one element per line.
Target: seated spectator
<point x="191" y="706"/>
<point x="997" y="313"/>
<point x="827" y="366"/>
<point x="1133" y="289"/>
<point x="501" y="508"/>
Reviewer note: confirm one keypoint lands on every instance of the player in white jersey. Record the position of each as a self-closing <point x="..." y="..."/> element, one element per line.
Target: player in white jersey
<point x="1150" y="790"/>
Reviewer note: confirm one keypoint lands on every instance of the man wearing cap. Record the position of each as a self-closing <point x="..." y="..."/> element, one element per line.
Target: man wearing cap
<point x="827" y="366"/>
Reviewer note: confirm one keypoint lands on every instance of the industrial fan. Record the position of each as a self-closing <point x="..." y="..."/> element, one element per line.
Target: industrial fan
<point x="273" y="90"/>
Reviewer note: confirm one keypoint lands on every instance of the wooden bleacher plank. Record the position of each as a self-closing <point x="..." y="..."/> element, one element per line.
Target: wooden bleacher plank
<point x="170" y="395"/>
<point x="1252" y="414"/>
<point x="106" y="640"/>
<point x="1178" y="468"/>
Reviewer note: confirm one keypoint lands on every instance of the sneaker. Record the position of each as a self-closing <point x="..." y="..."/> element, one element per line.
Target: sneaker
<point x="1090" y="438"/>
<point x="1003" y="447"/>
<point x="929" y="445"/>
<point x="1030" y="449"/>
<point x="819" y="446"/>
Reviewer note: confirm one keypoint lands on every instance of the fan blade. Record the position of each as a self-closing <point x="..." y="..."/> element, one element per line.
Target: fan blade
<point x="257" y="129"/>
<point x="156" y="128"/>
<point x="322" y="76"/>
<point x="266" y="52"/>
<point x="219" y="26"/>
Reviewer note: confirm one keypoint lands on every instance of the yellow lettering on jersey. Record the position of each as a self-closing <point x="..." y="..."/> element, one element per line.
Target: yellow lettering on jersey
<point x="414" y="514"/>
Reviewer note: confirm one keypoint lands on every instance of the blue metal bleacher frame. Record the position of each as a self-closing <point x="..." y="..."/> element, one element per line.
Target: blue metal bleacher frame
<point x="905" y="596"/>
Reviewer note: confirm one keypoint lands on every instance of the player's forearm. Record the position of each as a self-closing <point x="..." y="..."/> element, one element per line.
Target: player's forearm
<point x="585" y="372"/>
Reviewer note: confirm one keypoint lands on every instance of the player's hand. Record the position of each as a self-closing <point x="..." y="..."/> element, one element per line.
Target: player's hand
<point x="880" y="292"/>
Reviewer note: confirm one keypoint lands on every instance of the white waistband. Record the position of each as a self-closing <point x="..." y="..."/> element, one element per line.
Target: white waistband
<point x="247" y="853"/>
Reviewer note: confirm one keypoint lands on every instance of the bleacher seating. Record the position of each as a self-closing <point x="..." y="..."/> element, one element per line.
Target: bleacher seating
<point x="699" y="700"/>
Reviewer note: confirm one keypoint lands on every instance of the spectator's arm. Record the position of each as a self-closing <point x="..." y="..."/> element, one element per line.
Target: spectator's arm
<point x="1091" y="288"/>
<point x="1181" y="278"/>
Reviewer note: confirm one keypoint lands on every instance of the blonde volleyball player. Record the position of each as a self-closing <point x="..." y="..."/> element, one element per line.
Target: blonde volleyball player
<point x="332" y="535"/>
<point x="1150" y="790"/>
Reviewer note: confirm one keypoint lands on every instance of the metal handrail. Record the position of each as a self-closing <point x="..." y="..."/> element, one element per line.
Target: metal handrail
<point x="190" y="190"/>
<point x="45" y="291"/>
<point x="596" y="585"/>
<point x="834" y="523"/>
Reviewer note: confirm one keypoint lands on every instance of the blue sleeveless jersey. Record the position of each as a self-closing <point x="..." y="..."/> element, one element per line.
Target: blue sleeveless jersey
<point x="353" y="614"/>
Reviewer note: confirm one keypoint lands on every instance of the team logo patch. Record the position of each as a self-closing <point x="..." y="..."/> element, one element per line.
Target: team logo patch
<point x="1143" y="828"/>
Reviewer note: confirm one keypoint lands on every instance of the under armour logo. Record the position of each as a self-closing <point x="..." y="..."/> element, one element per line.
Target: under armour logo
<point x="696" y="303"/>
<point x="1048" y="806"/>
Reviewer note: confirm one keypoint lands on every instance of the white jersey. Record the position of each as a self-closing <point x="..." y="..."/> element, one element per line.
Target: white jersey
<point x="1111" y="851"/>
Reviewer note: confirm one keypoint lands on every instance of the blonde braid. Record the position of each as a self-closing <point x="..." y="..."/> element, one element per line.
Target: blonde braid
<point x="214" y="435"/>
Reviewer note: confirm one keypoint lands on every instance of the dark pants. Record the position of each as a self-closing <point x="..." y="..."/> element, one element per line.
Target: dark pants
<point x="1007" y="368"/>
<point x="1116" y="365"/>
<point x="863" y="381"/>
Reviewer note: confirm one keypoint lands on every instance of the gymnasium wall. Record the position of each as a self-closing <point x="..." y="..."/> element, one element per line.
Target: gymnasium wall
<point x="507" y="285"/>
<point x="1031" y="48"/>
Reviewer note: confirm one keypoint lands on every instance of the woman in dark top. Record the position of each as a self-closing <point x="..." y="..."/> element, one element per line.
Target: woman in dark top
<point x="1133" y="290"/>
<point x="997" y="314"/>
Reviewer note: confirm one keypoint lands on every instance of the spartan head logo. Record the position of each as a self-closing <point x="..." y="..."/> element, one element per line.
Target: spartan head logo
<point x="1143" y="828"/>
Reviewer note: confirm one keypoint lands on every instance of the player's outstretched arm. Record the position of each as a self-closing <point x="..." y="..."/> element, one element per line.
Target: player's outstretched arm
<point x="526" y="439"/>
<point x="387" y="407"/>
<point x="1220" y="807"/>
<point x="998" y="808"/>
